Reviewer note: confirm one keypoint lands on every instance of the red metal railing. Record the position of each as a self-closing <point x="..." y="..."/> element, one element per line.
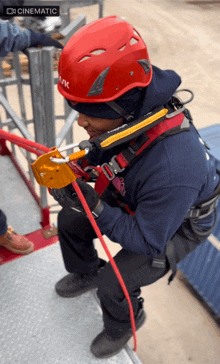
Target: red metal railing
<point x="32" y="147"/>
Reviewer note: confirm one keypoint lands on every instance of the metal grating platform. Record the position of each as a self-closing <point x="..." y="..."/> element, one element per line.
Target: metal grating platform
<point x="16" y="200"/>
<point x="38" y="326"/>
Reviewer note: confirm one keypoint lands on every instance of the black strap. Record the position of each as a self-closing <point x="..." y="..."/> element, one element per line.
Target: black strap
<point x="130" y="152"/>
<point x="159" y="261"/>
<point x="205" y="208"/>
<point x="98" y="210"/>
<point x="175" y="252"/>
<point x="170" y="253"/>
<point x="114" y="106"/>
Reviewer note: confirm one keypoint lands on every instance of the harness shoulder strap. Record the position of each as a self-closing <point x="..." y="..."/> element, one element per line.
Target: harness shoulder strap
<point x="168" y="126"/>
<point x="127" y="132"/>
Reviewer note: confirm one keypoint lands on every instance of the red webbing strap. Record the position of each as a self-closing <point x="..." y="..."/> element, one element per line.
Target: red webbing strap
<point x="79" y="171"/>
<point x="102" y="181"/>
<point x="162" y="128"/>
<point x="122" y="161"/>
<point x="106" y="174"/>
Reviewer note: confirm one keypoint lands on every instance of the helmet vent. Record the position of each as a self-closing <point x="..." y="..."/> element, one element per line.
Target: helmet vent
<point x="122" y="48"/>
<point x="84" y="58"/>
<point x="133" y="41"/>
<point x="136" y="33"/>
<point x="97" y="52"/>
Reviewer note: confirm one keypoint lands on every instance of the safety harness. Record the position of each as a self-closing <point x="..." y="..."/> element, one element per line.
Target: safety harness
<point x="142" y="135"/>
<point x="125" y="159"/>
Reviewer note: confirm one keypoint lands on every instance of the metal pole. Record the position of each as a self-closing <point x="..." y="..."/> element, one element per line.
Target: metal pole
<point x="37" y="95"/>
<point x="48" y="104"/>
<point x="65" y="13"/>
<point x="17" y="68"/>
<point x="3" y="86"/>
<point x="67" y="129"/>
<point x="17" y="121"/>
<point x="69" y="132"/>
<point x="16" y="65"/>
<point x="101" y="6"/>
<point x="72" y="28"/>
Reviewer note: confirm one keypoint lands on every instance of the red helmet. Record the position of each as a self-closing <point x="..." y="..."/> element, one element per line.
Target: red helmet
<point x="102" y="61"/>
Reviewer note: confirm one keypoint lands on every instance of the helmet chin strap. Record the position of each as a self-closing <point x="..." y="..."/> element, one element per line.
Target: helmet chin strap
<point x="113" y="105"/>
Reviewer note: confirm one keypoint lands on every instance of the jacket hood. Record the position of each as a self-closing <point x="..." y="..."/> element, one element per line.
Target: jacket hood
<point x="159" y="92"/>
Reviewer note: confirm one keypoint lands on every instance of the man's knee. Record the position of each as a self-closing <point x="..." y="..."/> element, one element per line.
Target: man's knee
<point x="108" y="284"/>
<point x="72" y="223"/>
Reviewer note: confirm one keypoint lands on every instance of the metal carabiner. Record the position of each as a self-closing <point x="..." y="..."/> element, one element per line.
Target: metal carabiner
<point x="186" y="90"/>
<point x="181" y="103"/>
<point x="70" y="157"/>
<point x="174" y="113"/>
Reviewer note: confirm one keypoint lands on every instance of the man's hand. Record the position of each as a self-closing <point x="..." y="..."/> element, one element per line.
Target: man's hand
<point x="42" y="39"/>
<point x="67" y="196"/>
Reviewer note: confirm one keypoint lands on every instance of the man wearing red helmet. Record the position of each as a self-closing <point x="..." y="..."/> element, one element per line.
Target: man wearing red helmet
<point x="152" y="171"/>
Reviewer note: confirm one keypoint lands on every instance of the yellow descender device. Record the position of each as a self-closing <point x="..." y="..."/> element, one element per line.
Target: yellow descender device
<point x="52" y="170"/>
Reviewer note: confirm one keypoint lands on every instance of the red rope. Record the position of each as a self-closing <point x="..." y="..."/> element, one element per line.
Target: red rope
<point x="114" y="266"/>
<point x="28" y="144"/>
<point x="29" y="149"/>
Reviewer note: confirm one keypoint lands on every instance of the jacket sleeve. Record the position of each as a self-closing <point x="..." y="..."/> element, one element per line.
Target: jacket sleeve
<point x="13" y="38"/>
<point x="157" y="218"/>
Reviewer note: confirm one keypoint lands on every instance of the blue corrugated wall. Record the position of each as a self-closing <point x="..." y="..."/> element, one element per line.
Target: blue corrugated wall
<point x="202" y="267"/>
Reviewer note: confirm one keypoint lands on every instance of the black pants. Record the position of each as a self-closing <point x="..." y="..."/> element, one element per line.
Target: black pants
<point x="3" y="223"/>
<point x="76" y="238"/>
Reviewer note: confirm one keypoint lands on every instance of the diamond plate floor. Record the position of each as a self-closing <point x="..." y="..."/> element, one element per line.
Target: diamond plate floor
<point x="16" y="200"/>
<point x="38" y="326"/>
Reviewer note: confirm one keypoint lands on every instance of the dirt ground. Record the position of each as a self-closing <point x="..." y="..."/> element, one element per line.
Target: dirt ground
<point x="183" y="37"/>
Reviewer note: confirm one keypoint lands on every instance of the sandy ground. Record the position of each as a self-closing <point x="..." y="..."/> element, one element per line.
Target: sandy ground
<point x="183" y="37"/>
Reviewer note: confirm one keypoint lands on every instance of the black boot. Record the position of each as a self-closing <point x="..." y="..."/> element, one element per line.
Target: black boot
<point x="105" y="346"/>
<point x="74" y="284"/>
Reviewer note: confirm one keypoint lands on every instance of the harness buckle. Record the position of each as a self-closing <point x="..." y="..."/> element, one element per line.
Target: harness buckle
<point x="115" y="165"/>
<point x="210" y="205"/>
<point x="193" y="213"/>
<point x="108" y="171"/>
<point x="112" y="168"/>
<point x="204" y="210"/>
<point x="176" y="112"/>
